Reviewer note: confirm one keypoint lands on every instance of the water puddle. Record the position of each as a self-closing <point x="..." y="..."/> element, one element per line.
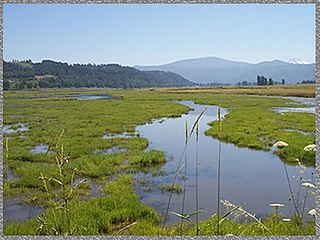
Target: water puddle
<point x="113" y="150"/>
<point x="250" y="177"/>
<point x="122" y="135"/>
<point x="92" y="97"/>
<point x="15" y="211"/>
<point x="93" y="185"/>
<point x="8" y="174"/>
<point x="41" y="148"/>
<point x="14" y="128"/>
<point x="301" y="132"/>
<point x="76" y="96"/>
<point x="94" y="188"/>
<point x="292" y="110"/>
<point x="302" y="100"/>
<point x="310" y="102"/>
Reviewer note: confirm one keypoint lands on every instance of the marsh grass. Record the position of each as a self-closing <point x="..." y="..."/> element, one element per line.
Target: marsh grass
<point x="175" y="188"/>
<point x="305" y="90"/>
<point x="60" y="200"/>
<point x="119" y="210"/>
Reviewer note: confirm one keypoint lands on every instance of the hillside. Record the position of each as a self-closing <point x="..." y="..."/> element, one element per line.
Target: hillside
<point x="218" y="70"/>
<point x="50" y="74"/>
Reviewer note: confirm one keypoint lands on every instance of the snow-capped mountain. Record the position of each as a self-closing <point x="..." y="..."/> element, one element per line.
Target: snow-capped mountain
<point x="298" y="61"/>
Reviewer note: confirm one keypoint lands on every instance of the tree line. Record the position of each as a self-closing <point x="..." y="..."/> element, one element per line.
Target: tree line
<point x="263" y="81"/>
<point x="50" y="74"/>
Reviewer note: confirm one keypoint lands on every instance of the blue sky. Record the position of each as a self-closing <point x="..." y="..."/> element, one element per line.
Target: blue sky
<point x="157" y="34"/>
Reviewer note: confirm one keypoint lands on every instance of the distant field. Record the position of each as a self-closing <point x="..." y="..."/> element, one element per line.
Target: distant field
<point x="304" y="90"/>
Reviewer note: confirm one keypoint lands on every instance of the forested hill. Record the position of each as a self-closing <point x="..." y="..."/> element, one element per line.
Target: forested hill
<point x="50" y="74"/>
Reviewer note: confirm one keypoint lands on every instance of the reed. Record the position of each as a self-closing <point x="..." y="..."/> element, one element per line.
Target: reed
<point x="244" y="213"/>
<point x="219" y="170"/>
<point x="7" y="148"/>
<point x="60" y="199"/>
<point x="181" y="165"/>
<point x="185" y="178"/>
<point x="197" y="194"/>
<point x="295" y="204"/>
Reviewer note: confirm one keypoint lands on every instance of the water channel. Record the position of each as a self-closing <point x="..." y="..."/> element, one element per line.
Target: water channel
<point x="250" y="177"/>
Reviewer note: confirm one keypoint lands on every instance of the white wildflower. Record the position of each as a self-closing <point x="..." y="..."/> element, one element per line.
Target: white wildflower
<point x="312" y="212"/>
<point x="280" y="144"/>
<point x="276" y="205"/>
<point x="311" y="147"/>
<point x="309" y="185"/>
<point x="286" y="219"/>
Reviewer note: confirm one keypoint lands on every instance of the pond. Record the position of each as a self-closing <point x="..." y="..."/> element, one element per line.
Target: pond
<point x="310" y="102"/>
<point x="92" y="97"/>
<point x="14" y="210"/>
<point x="77" y="96"/>
<point x="41" y="148"/>
<point x="250" y="177"/>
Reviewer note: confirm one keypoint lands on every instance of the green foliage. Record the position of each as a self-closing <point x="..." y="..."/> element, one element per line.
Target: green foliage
<point x="50" y="74"/>
<point x="174" y="188"/>
<point x="255" y="125"/>
<point x="150" y="158"/>
<point x="274" y="222"/>
<point x="105" y="215"/>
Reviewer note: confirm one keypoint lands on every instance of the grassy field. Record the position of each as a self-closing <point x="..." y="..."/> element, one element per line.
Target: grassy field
<point x="250" y="123"/>
<point x="303" y="90"/>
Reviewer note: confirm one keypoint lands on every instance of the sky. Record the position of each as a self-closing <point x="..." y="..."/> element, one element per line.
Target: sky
<point x="157" y="34"/>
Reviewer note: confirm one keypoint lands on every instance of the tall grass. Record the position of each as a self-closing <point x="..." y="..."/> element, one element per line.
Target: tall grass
<point x="197" y="166"/>
<point x="298" y="205"/>
<point x="184" y="178"/>
<point x="219" y="170"/>
<point x="60" y="199"/>
<point x="180" y="164"/>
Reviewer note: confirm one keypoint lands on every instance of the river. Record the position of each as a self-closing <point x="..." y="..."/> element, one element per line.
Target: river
<point x="250" y="177"/>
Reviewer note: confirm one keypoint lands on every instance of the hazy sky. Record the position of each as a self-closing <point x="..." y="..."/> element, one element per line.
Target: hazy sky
<point x="156" y="34"/>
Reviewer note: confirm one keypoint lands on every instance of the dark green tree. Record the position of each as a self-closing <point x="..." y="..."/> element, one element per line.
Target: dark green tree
<point x="270" y="81"/>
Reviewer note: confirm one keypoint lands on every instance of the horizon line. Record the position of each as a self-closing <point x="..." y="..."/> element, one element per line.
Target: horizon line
<point x="159" y="64"/>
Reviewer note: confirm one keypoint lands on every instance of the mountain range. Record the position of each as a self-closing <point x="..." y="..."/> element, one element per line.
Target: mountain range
<point x="218" y="70"/>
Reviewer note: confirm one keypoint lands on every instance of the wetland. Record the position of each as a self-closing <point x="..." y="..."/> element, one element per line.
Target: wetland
<point x="126" y="149"/>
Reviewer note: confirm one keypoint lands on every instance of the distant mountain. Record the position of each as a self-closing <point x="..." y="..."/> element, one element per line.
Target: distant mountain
<point x="48" y="74"/>
<point x="218" y="70"/>
<point x="298" y="61"/>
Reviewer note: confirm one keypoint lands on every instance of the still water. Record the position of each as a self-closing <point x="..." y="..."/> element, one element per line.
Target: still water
<point x="250" y="177"/>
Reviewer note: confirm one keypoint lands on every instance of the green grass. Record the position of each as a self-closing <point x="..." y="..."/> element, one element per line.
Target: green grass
<point x="274" y="222"/>
<point x="105" y="215"/>
<point x="174" y="188"/>
<point x="250" y="123"/>
<point x="258" y="127"/>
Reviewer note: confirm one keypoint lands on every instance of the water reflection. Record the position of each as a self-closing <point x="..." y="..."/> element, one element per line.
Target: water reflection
<point x="299" y="110"/>
<point x="250" y="177"/>
<point x="311" y="102"/>
<point x="41" y="148"/>
<point x="14" y="210"/>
